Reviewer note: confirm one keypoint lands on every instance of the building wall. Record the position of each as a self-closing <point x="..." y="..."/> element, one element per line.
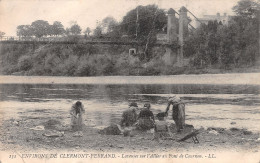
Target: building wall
<point x="206" y="18"/>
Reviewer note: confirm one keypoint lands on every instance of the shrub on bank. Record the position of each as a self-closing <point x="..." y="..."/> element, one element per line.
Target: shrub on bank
<point x="85" y="67"/>
<point x="7" y="70"/>
<point x="63" y="60"/>
<point x="25" y="63"/>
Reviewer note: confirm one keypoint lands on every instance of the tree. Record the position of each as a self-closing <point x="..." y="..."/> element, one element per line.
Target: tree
<point x="67" y="31"/>
<point x="57" y="28"/>
<point x="247" y="25"/>
<point x="1" y="34"/>
<point x="87" y="31"/>
<point x="24" y="31"/>
<point x="204" y="43"/>
<point x="40" y="28"/>
<point x="147" y="15"/>
<point x="246" y="8"/>
<point x="98" y="31"/>
<point x="227" y="46"/>
<point x="75" y="29"/>
<point x="108" y="24"/>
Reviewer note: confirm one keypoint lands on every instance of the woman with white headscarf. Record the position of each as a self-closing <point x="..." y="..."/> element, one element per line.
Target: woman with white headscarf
<point x="178" y="112"/>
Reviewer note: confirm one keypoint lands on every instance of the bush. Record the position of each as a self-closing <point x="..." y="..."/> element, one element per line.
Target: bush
<point x="86" y="69"/>
<point x="37" y="70"/>
<point x="81" y="50"/>
<point x="73" y="38"/>
<point x="102" y="63"/>
<point x="8" y="70"/>
<point x="250" y="54"/>
<point x="25" y="63"/>
<point x="154" y="67"/>
<point x="70" y="65"/>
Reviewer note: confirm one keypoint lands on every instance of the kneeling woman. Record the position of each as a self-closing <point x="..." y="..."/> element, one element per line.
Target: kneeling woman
<point x="77" y="111"/>
<point x="146" y="118"/>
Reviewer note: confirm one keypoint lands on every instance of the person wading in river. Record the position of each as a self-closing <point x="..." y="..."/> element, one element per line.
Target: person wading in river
<point x="77" y="110"/>
<point x="178" y="112"/>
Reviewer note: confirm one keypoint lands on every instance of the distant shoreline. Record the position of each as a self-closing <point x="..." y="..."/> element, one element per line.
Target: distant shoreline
<point x="228" y="78"/>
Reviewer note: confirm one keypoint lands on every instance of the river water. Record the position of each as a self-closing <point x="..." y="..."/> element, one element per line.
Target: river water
<point x="207" y="105"/>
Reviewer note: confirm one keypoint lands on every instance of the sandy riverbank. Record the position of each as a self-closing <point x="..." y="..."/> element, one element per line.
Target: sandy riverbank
<point x="16" y="134"/>
<point x="231" y="78"/>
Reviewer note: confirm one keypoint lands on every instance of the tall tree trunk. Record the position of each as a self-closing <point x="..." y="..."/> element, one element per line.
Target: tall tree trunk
<point x="147" y="45"/>
<point x="150" y="35"/>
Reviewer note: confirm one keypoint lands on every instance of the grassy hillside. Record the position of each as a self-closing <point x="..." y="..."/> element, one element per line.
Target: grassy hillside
<point x="88" y="60"/>
<point x="73" y="60"/>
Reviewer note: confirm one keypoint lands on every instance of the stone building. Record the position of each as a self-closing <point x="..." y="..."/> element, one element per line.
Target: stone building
<point x="220" y="18"/>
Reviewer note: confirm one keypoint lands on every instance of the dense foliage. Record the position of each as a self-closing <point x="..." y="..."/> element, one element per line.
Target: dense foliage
<point x="79" y="60"/>
<point x="227" y="46"/>
<point x="147" y="15"/>
<point x="40" y="28"/>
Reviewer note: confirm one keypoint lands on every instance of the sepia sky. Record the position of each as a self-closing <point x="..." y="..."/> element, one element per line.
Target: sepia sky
<point x="87" y="12"/>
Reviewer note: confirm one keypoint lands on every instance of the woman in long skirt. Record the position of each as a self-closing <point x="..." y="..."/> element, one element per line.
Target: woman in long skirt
<point x="178" y="112"/>
<point x="77" y="111"/>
